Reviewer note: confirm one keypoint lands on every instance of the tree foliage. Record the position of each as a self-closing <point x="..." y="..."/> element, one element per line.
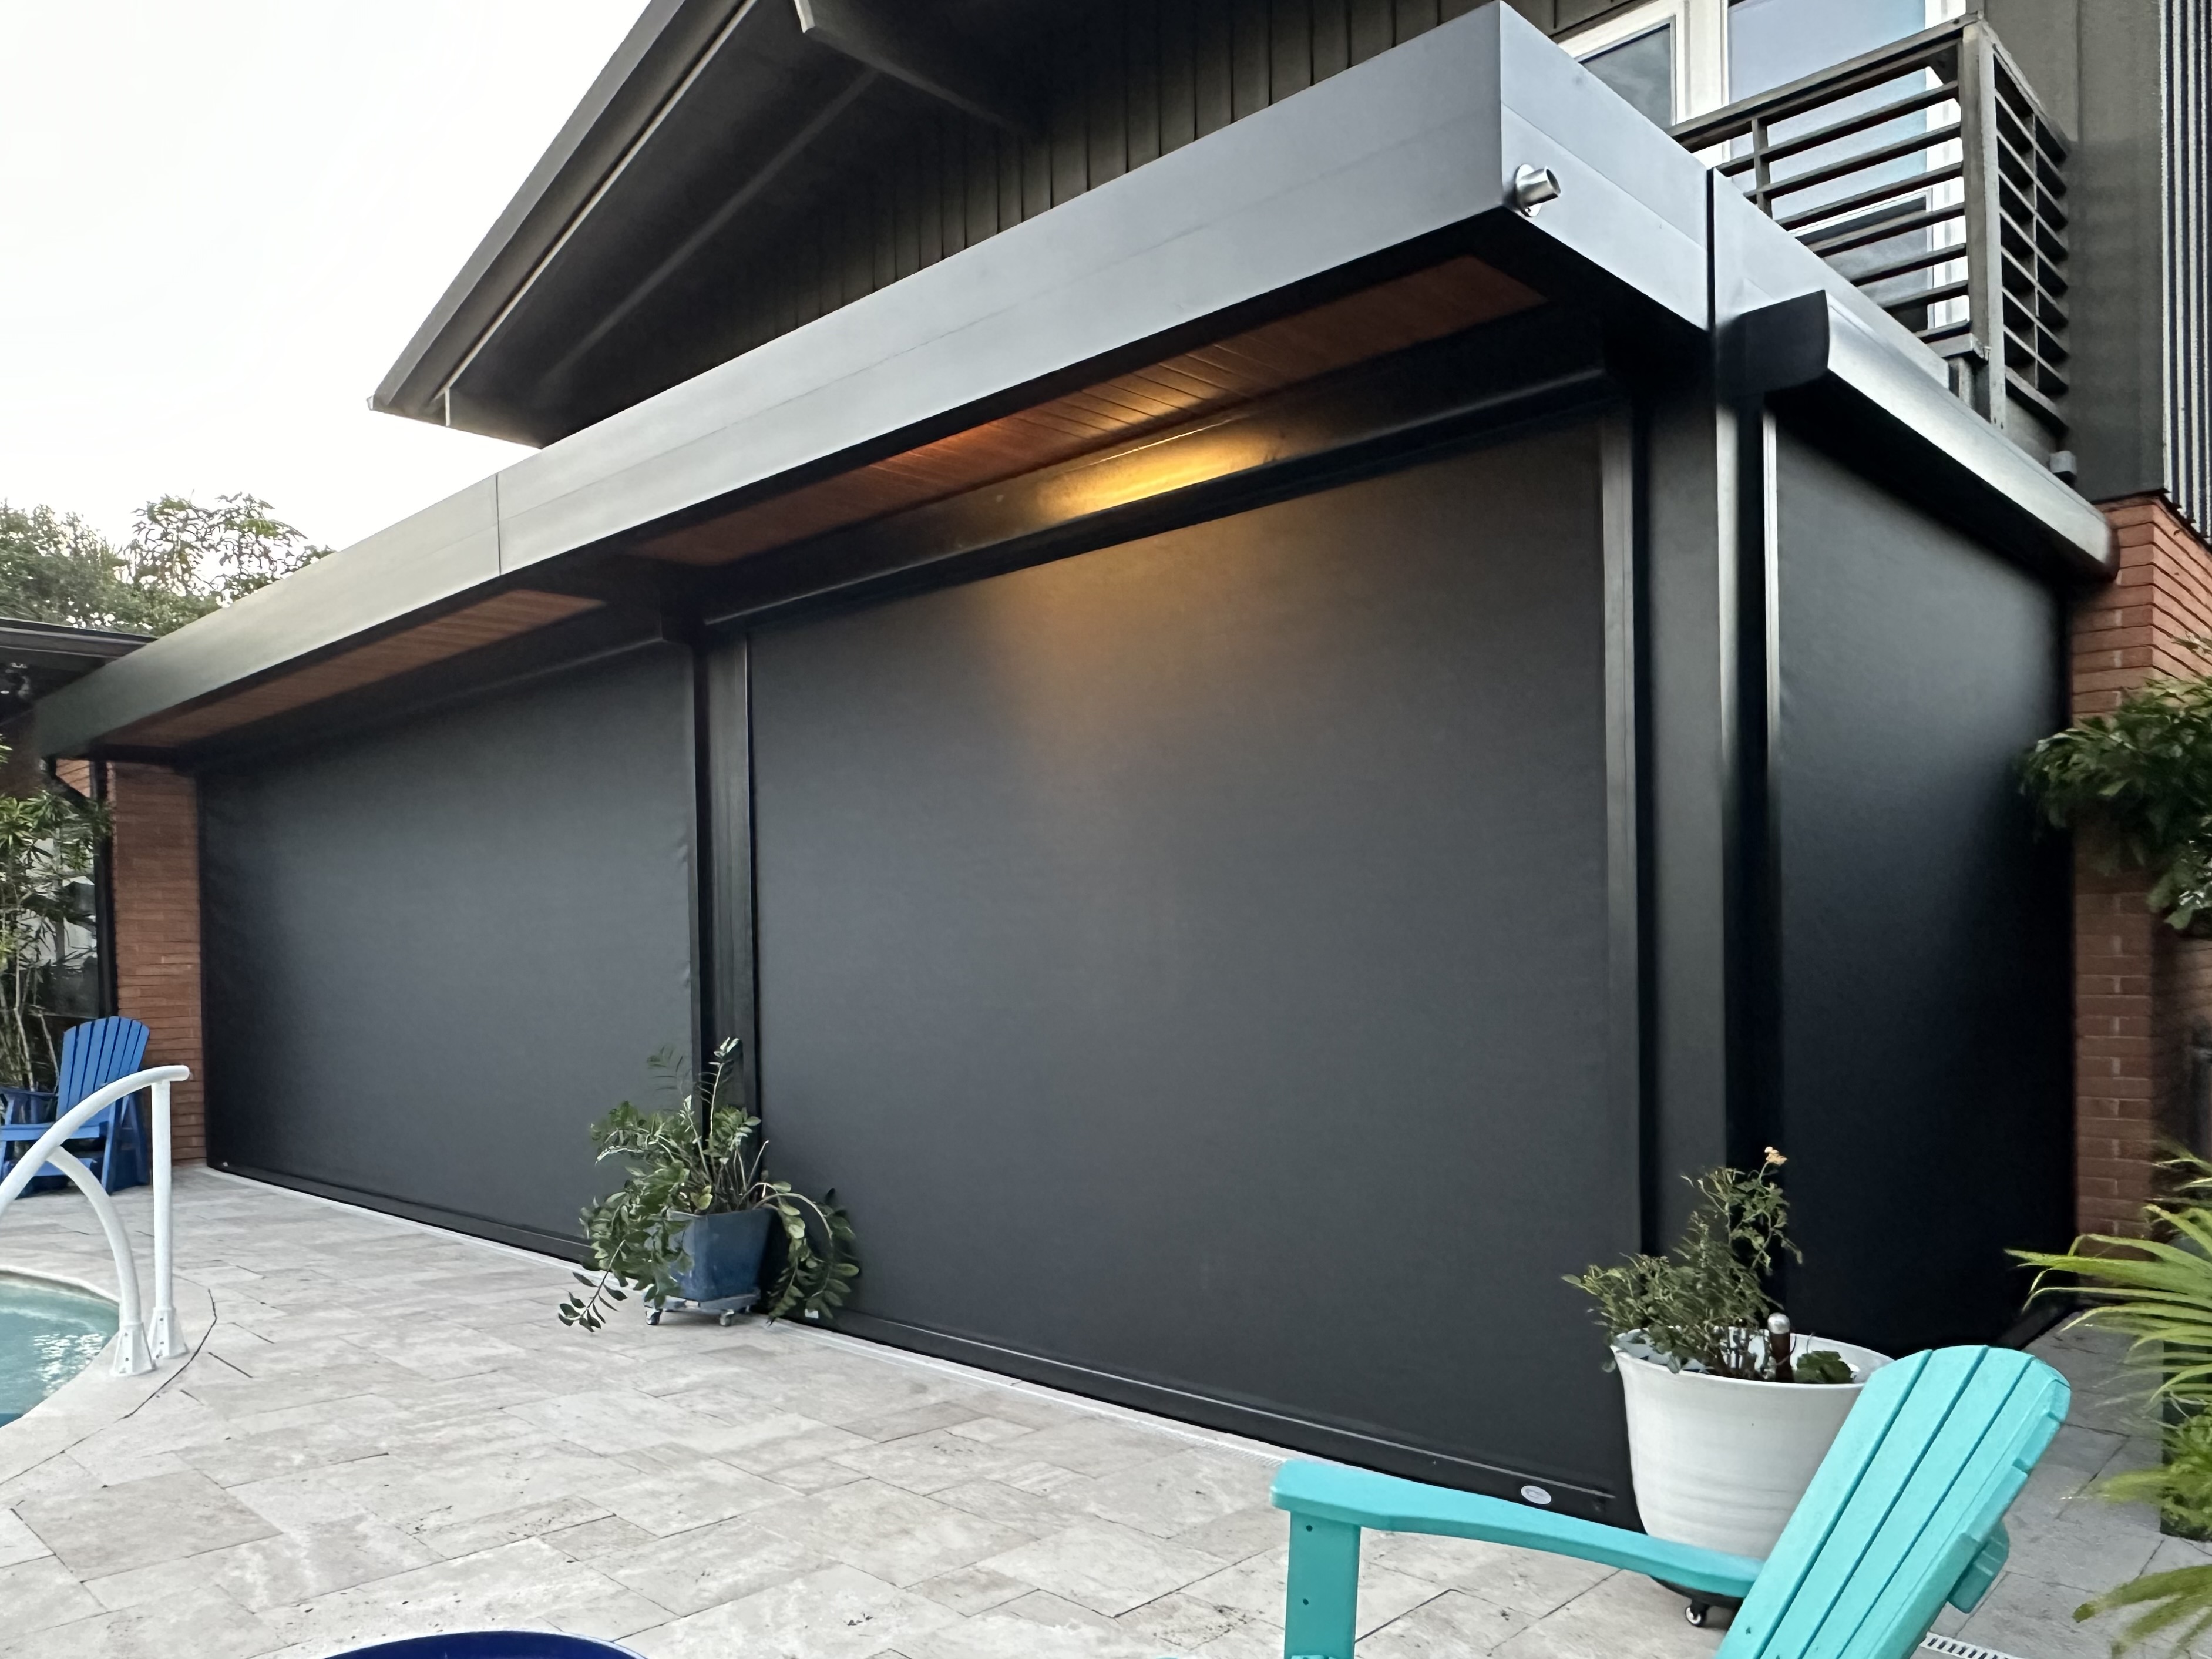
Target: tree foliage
<point x="182" y="559"/>
<point x="2139" y="780"/>
<point x="48" y="840"/>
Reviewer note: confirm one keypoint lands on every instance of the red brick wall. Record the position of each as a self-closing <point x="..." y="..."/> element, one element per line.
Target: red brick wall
<point x="2139" y="987"/>
<point x="155" y="860"/>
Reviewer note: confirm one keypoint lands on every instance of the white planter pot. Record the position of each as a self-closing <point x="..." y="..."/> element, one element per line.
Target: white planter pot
<point x="1721" y="1461"/>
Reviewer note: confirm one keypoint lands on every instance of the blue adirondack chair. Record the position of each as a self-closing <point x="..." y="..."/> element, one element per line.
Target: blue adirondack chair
<point x="1906" y="1512"/>
<point x="93" y="1055"/>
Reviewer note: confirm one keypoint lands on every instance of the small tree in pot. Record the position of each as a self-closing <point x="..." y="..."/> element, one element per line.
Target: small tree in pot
<point x="1723" y="1434"/>
<point x="698" y="1208"/>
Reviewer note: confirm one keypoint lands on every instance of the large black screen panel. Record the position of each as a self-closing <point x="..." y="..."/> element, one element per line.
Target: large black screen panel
<point x="437" y="951"/>
<point x="1190" y="959"/>
<point x="1925" y="1022"/>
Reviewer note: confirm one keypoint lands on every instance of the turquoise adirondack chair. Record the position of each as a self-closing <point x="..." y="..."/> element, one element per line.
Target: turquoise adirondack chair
<point x="94" y="1054"/>
<point x="1906" y="1512"/>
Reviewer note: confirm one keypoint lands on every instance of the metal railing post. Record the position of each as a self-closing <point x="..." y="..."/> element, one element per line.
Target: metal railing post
<point x="1977" y="143"/>
<point x="162" y="1332"/>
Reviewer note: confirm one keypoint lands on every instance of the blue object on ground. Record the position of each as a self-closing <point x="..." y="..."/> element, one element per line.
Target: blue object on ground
<point x="490" y="1644"/>
<point x="1905" y="1512"/>
<point x="93" y="1055"/>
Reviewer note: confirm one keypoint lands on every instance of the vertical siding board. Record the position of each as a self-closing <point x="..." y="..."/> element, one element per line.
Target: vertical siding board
<point x="1248" y="65"/>
<point x="898" y="252"/>
<point x="1414" y="17"/>
<point x="1036" y="175"/>
<point x="1129" y="81"/>
<point x="878" y="249"/>
<point x="1212" y="56"/>
<point x="1141" y="58"/>
<point x="1178" y="85"/>
<point x="1374" y="24"/>
<point x="983" y="145"/>
<point x="1071" y="159"/>
<point x="901" y="209"/>
<point x="1291" y="56"/>
<point x="1105" y="81"/>
<point x="1332" y="37"/>
<point x="941" y="224"/>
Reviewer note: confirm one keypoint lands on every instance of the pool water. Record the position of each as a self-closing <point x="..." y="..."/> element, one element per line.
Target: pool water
<point x="48" y="1334"/>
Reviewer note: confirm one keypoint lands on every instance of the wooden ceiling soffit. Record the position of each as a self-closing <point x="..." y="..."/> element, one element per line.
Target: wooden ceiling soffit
<point x="486" y="622"/>
<point x="1407" y="310"/>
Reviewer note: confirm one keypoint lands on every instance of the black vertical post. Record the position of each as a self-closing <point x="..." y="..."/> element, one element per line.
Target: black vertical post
<point x="1690" y="777"/>
<point x="103" y="898"/>
<point x="725" y="762"/>
<point x="1754" y="906"/>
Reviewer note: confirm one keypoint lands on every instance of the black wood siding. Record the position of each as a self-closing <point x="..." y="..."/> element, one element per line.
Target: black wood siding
<point x="1131" y="80"/>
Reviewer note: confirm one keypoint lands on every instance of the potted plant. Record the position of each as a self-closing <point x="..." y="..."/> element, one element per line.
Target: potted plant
<point x="699" y="1218"/>
<point x="1729" y="1414"/>
<point x="2158" y="1291"/>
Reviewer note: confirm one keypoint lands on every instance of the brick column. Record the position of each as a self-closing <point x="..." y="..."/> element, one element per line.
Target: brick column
<point x="156" y="864"/>
<point x="2140" y="988"/>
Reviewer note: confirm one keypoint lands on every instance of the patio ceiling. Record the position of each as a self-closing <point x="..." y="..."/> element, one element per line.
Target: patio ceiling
<point x="1424" y="306"/>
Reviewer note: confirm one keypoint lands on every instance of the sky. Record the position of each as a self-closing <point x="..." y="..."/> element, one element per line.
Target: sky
<point x="221" y="221"/>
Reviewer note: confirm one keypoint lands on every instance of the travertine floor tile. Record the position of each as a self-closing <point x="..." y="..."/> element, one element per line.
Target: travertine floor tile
<point x="389" y="1434"/>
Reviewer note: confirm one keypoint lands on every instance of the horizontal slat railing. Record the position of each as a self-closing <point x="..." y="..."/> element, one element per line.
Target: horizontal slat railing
<point x="1926" y="173"/>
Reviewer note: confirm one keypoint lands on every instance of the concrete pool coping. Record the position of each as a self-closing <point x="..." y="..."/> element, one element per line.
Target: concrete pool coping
<point x="94" y="1399"/>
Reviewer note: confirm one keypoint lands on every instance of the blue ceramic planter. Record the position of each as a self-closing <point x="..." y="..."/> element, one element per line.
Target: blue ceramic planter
<point x="724" y="1252"/>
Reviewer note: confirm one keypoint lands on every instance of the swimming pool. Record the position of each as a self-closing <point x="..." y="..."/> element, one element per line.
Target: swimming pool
<point x="48" y="1334"/>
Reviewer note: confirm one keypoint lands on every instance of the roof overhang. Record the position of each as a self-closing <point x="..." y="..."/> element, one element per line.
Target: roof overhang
<point x="717" y="127"/>
<point x="1375" y="178"/>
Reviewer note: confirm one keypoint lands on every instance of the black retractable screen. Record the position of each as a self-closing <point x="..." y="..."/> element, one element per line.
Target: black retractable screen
<point x="1190" y="961"/>
<point x="437" y="952"/>
<point x="1926" y="1033"/>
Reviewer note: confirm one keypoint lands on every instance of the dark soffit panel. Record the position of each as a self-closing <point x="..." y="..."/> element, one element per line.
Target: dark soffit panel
<point x="1405" y="161"/>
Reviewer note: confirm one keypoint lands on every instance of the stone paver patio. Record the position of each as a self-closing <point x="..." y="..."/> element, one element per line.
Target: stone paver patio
<point x="384" y="1432"/>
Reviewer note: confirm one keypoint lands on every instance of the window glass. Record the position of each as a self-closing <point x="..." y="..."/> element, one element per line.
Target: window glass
<point x="1772" y="42"/>
<point x="1642" y="70"/>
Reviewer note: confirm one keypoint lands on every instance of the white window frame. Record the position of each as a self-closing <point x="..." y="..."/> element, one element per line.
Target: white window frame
<point x="1700" y="47"/>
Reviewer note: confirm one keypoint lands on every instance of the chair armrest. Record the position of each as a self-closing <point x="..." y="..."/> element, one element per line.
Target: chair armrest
<point x="1382" y="1503"/>
<point x="1982" y="1571"/>
<point x="21" y="1101"/>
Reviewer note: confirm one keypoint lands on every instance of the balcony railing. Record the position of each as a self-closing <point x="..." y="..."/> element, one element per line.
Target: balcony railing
<point x="1928" y="173"/>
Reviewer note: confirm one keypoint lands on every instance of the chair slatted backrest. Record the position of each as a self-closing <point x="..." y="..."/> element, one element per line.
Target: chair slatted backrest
<point x="95" y="1054"/>
<point x="1909" y="1499"/>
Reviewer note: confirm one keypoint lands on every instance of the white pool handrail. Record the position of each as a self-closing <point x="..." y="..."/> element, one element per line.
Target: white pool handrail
<point x="137" y="1348"/>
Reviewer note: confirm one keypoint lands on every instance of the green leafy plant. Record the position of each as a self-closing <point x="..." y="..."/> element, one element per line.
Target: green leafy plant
<point x="2139" y="782"/>
<point x="705" y="1156"/>
<point x="49" y="840"/>
<point x="2157" y="1292"/>
<point x="1703" y="1306"/>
